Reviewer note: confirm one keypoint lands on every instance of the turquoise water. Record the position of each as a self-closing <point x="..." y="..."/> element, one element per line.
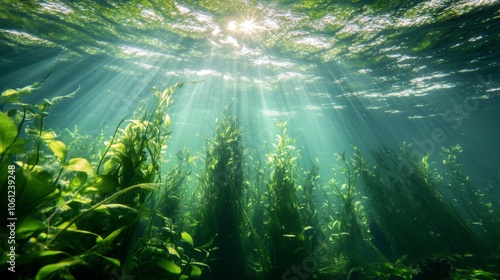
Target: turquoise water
<point x="372" y="74"/>
<point x="349" y="73"/>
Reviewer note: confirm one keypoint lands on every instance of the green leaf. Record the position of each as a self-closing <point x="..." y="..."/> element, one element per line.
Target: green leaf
<point x="27" y="227"/>
<point x="301" y="236"/>
<point x="169" y="266"/>
<point x="8" y="132"/>
<point x="65" y="225"/>
<point x="201" y="264"/>
<point x="119" y="147"/>
<point x="59" y="149"/>
<point x="104" y="245"/>
<point x="51" y="253"/>
<point x="10" y="96"/>
<point x="187" y="238"/>
<point x="172" y="251"/>
<point x="105" y="207"/>
<point x="33" y="189"/>
<point x="111" y="164"/>
<point x="11" y="112"/>
<point x="208" y="244"/>
<point x="80" y="231"/>
<point x="47" y="270"/>
<point x="77" y="181"/>
<point x="83" y="200"/>
<point x="195" y="271"/>
<point x="111" y="260"/>
<point x="112" y="236"/>
<point x="80" y="164"/>
<point x="166" y="121"/>
<point x="101" y="184"/>
<point x="48" y="135"/>
<point x="9" y="92"/>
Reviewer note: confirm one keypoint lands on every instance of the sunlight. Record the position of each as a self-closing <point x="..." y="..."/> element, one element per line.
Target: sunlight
<point x="247" y="26"/>
<point x="232" y="25"/>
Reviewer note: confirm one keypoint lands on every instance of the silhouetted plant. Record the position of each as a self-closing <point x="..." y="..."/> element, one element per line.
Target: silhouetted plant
<point x="405" y="195"/>
<point x="222" y="185"/>
<point x="477" y="205"/>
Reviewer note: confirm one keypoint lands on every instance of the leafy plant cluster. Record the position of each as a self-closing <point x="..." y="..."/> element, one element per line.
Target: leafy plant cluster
<point x="119" y="209"/>
<point x="77" y="217"/>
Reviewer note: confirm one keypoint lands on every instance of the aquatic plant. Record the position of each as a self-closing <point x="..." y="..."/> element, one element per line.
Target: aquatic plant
<point x="52" y="196"/>
<point x="405" y="195"/>
<point x="88" y="210"/>
<point x="221" y="186"/>
<point x="476" y="203"/>
<point x="25" y="142"/>
<point x="394" y="270"/>
<point x="286" y="234"/>
<point x="82" y="145"/>
<point x="167" y="252"/>
<point x="75" y="218"/>
<point x="307" y="206"/>
<point x="352" y="225"/>
<point x="168" y="201"/>
<point x="256" y="217"/>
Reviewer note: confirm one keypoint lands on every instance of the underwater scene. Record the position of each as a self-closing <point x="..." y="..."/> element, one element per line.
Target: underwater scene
<point x="246" y="139"/>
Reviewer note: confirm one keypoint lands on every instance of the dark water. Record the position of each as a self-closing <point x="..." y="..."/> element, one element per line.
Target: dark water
<point x="367" y="73"/>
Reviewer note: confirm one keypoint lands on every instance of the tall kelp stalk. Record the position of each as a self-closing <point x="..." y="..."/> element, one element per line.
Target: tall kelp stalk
<point x="351" y="222"/>
<point x="168" y="201"/>
<point x="286" y="232"/>
<point x="307" y="206"/>
<point x="476" y="203"/>
<point x="165" y="250"/>
<point x="256" y="217"/>
<point x="222" y="185"/>
<point x="134" y="156"/>
<point x="410" y="209"/>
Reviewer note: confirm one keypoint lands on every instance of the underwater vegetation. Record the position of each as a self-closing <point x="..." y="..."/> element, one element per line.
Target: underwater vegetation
<point x="124" y="206"/>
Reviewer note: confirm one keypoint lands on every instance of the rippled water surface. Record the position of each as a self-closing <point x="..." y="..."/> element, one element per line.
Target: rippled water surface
<point x="340" y="72"/>
<point x="372" y="73"/>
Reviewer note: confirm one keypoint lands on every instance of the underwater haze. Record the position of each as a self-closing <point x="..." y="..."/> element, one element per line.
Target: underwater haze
<point x="161" y="139"/>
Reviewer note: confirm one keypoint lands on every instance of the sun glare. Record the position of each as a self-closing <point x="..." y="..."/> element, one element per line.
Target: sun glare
<point x="247" y="26"/>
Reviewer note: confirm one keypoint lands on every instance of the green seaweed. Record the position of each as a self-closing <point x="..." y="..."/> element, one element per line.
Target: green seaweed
<point x="405" y="194"/>
<point x="89" y="208"/>
<point x="74" y="216"/>
<point x="220" y="209"/>
<point x="286" y="232"/>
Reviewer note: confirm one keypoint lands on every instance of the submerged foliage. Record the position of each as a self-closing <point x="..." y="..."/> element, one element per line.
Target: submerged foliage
<point x="220" y="207"/>
<point x="75" y="217"/>
<point x="120" y="208"/>
<point x="406" y="195"/>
